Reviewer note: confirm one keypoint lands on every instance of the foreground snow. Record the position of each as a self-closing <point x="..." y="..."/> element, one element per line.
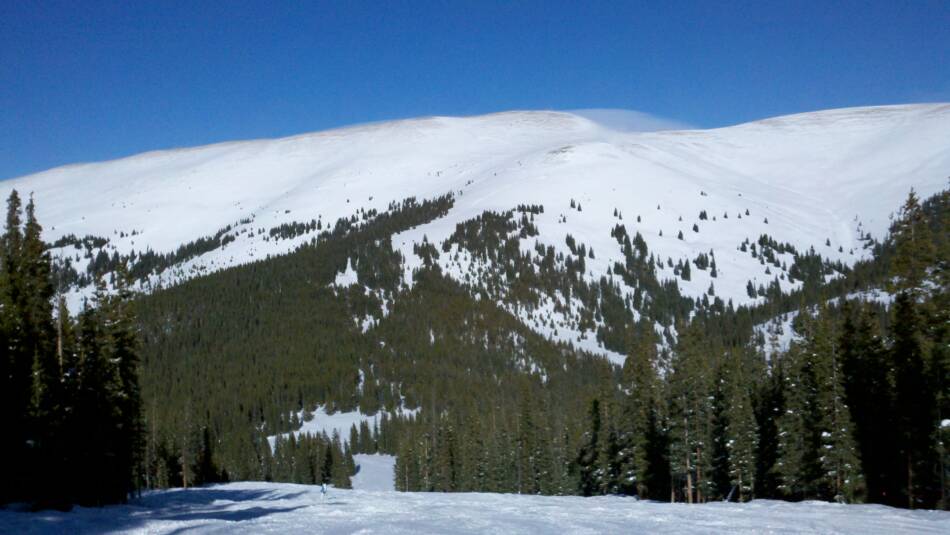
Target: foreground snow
<point x="284" y="508"/>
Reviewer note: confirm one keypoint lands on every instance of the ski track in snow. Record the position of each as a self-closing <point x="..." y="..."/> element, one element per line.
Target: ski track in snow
<point x="828" y="175"/>
<point x="254" y="507"/>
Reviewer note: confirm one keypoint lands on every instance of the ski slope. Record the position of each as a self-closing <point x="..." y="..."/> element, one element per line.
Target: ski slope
<point x="319" y="422"/>
<point x="256" y="508"/>
<point x="374" y="472"/>
<point x="810" y="179"/>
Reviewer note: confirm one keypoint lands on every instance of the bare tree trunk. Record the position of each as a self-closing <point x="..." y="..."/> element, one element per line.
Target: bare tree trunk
<point x="689" y="482"/>
<point x="699" y="475"/>
<point x="59" y="342"/>
<point x="184" y="461"/>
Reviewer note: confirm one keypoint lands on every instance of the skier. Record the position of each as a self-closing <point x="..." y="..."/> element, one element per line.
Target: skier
<point x="323" y="491"/>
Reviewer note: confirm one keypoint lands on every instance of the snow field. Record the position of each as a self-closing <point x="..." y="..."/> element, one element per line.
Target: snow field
<point x="255" y="507"/>
<point x="804" y="179"/>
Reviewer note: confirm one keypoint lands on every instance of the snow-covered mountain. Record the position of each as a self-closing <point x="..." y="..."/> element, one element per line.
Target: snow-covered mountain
<point x="826" y="180"/>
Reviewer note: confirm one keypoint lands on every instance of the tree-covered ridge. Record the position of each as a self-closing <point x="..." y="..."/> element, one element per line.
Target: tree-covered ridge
<point x="526" y="277"/>
<point x="502" y="408"/>
<point x="851" y="411"/>
<point x="276" y="336"/>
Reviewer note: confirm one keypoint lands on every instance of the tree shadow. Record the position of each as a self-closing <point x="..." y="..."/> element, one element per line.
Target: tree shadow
<point x="209" y="504"/>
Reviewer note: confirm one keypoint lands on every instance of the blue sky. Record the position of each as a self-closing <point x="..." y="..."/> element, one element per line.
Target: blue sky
<point x="85" y="81"/>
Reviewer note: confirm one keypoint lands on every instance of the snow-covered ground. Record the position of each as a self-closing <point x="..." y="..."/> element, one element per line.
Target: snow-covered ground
<point x="374" y="472"/>
<point x="286" y="509"/>
<point x="322" y="423"/>
<point x="821" y="179"/>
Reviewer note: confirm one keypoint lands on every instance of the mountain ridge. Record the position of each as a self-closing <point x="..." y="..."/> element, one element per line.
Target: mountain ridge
<point x="826" y="180"/>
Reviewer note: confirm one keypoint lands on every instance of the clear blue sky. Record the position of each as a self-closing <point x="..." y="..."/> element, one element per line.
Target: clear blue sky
<point x="84" y="81"/>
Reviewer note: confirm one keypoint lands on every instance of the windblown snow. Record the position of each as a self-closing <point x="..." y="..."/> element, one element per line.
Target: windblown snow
<point x="255" y="507"/>
<point x="824" y="179"/>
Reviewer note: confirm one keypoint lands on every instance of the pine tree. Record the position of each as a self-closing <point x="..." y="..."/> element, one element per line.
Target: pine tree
<point x="818" y="457"/>
<point x="742" y="437"/>
<point x="18" y="362"/>
<point x="690" y="419"/>
<point x="39" y="336"/>
<point x="769" y="405"/>
<point x="719" y="467"/>
<point x="914" y="250"/>
<point x="840" y="459"/>
<point x="590" y="476"/>
<point x="798" y="464"/>
<point x="869" y="395"/>
<point x="124" y="354"/>
<point x="915" y="404"/>
<point x="640" y="414"/>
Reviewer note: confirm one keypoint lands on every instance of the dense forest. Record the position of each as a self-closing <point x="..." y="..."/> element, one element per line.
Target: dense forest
<point x="707" y="409"/>
<point x="71" y="403"/>
<point x="707" y="406"/>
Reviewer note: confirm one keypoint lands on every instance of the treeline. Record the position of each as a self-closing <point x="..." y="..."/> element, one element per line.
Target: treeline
<point x="850" y="412"/>
<point x="71" y="406"/>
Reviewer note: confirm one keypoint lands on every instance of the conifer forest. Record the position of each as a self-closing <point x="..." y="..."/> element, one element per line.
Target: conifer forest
<point x="203" y="381"/>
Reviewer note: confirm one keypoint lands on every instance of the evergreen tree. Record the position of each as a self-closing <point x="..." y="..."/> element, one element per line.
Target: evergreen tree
<point x="818" y="457"/>
<point x="798" y="464"/>
<point x="588" y="462"/>
<point x="915" y="405"/>
<point x="719" y="466"/>
<point x="769" y="405"/>
<point x="640" y="415"/>
<point x="869" y="395"/>
<point x="840" y="460"/>
<point x="914" y="249"/>
<point x="742" y="437"/>
<point x="17" y="360"/>
<point x="39" y="337"/>
<point x="690" y="420"/>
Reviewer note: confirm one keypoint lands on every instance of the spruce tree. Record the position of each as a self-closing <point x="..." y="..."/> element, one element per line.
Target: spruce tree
<point x="798" y="463"/>
<point x="742" y="437"/>
<point x="915" y="405"/>
<point x="640" y="414"/>
<point x="840" y="459"/>
<point x="18" y="361"/>
<point x="590" y="476"/>
<point x="914" y="249"/>
<point x="719" y="467"/>
<point x="818" y="457"/>
<point x="869" y="395"/>
<point x="690" y="419"/>
<point x="40" y="336"/>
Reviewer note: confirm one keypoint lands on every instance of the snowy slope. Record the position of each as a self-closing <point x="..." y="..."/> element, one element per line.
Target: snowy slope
<point x="255" y="507"/>
<point x="374" y="472"/>
<point x="319" y="422"/>
<point x="829" y="175"/>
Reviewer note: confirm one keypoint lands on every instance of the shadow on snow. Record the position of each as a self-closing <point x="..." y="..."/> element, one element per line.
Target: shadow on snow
<point x="195" y="505"/>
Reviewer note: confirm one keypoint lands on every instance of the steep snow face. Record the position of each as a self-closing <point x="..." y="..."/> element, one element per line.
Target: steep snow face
<point x="819" y="179"/>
